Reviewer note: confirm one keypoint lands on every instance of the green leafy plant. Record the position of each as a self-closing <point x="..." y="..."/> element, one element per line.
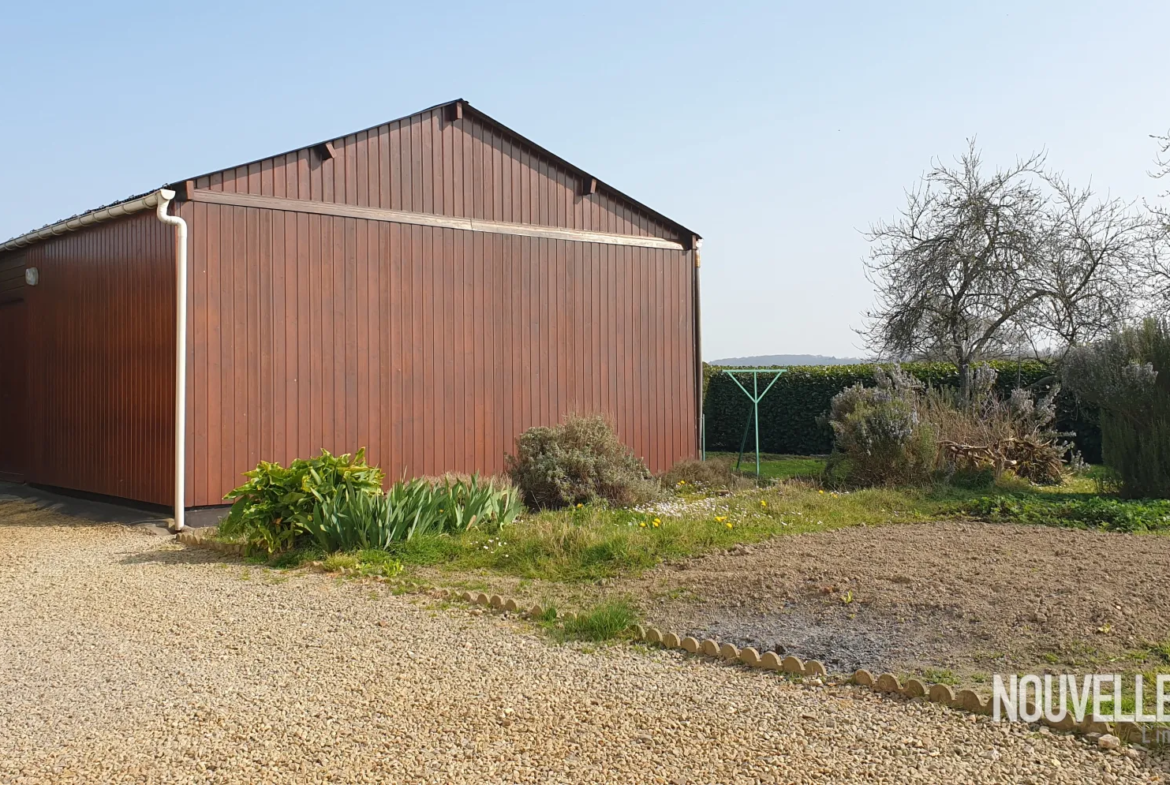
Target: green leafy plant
<point x="486" y="504"/>
<point x="271" y="508"/>
<point x="345" y="523"/>
<point x="580" y="461"/>
<point x="364" y="521"/>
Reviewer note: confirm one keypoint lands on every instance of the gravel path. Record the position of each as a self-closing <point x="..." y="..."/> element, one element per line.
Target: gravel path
<point x="127" y="658"/>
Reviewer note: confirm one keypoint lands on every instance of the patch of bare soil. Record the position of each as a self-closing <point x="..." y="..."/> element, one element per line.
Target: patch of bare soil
<point x="971" y="598"/>
<point x="968" y="597"/>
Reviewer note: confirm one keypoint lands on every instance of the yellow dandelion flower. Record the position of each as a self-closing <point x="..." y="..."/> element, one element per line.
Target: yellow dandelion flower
<point x="720" y="518"/>
<point x="642" y="524"/>
<point x="763" y="503"/>
<point x="730" y="526"/>
<point x="657" y="523"/>
<point x="822" y="491"/>
<point x="580" y="505"/>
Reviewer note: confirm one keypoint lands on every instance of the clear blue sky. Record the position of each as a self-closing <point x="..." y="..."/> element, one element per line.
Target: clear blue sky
<point x="777" y="130"/>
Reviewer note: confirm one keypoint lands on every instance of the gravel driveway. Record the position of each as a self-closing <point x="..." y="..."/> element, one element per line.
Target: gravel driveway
<point x="125" y="657"/>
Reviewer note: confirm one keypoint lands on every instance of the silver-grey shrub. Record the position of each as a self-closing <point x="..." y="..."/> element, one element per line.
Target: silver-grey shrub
<point x="879" y="435"/>
<point x="579" y="461"/>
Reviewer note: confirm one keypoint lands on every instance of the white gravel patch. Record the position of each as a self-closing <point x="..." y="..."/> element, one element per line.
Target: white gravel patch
<point x="125" y="657"/>
<point x="678" y="506"/>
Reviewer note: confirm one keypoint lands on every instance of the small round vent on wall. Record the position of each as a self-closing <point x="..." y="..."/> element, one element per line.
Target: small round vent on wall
<point x="32" y="276"/>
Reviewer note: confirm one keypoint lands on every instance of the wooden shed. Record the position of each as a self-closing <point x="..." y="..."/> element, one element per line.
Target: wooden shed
<point x="427" y="288"/>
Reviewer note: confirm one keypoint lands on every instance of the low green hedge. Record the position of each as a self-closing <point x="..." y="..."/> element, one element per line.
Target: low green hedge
<point x="789" y="413"/>
<point x="1092" y="513"/>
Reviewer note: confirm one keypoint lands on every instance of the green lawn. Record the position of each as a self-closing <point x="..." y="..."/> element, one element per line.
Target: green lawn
<point x="596" y="542"/>
<point x="774" y="467"/>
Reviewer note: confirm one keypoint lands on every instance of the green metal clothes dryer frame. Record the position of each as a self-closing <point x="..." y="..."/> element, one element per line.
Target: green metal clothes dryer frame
<point x="755" y="396"/>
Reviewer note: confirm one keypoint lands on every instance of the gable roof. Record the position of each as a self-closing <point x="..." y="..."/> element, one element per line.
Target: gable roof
<point x="466" y="109"/>
<point x="104" y="212"/>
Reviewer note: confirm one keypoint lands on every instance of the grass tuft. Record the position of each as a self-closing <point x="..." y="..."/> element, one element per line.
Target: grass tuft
<point x="940" y="676"/>
<point x="610" y="620"/>
<point x="371" y="562"/>
<point x="336" y="562"/>
<point x="290" y="560"/>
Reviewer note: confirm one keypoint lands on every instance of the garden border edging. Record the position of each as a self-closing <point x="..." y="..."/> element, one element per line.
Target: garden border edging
<point x="884" y="684"/>
<point x="205" y="541"/>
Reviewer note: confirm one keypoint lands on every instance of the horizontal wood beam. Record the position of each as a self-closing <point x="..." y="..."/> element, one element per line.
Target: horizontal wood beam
<point x="429" y="219"/>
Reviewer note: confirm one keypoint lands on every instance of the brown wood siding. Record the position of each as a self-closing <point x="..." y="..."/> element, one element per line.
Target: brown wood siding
<point x="101" y="360"/>
<point x="12" y="276"/>
<point x="467" y="168"/>
<point x="13" y="390"/>
<point x="431" y="347"/>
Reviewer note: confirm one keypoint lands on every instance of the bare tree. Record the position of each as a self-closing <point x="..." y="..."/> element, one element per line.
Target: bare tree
<point x="981" y="266"/>
<point x="1090" y="252"/>
<point x="1157" y="266"/>
<point x="1162" y="166"/>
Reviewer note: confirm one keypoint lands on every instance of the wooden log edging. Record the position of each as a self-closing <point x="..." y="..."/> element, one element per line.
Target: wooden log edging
<point x="813" y="671"/>
<point x="204" y="540"/>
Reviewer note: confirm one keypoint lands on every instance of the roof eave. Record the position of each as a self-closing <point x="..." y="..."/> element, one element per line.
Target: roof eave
<point x="102" y="214"/>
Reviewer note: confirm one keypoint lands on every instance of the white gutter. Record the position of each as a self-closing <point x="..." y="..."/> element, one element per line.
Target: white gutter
<point x="158" y="201"/>
<point x="148" y="202"/>
<point x="180" y="225"/>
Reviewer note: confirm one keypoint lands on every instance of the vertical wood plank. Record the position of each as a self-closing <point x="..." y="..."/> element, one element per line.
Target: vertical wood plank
<point x="371" y="434"/>
<point x="416" y="405"/>
<point x="359" y="316"/>
<point x="322" y="336"/>
<point x="362" y="168"/>
<point x="427" y="292"/>
<point x="308" y="310"/>
<point x="266" y="389"/>
<point x="445" y="359"/>
<point x="279" y="355"/>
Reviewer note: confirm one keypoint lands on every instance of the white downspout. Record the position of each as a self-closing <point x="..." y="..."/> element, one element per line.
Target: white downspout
<point x="699" y="353"/>
<point x="165" y="197"/>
